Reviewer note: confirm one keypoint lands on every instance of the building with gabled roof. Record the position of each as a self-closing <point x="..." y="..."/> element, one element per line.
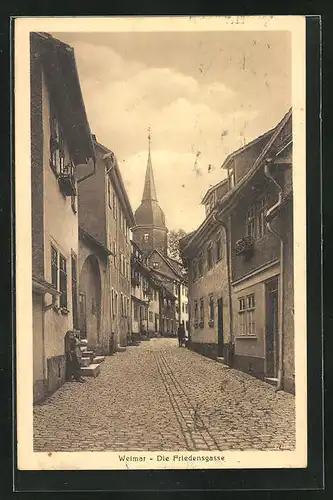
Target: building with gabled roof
<point x="61" y="151"/>
<point x="256" y="218"/>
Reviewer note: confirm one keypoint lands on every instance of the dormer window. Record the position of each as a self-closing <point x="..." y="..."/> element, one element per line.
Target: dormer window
<point x="231" y="178"/>
<point x="155" y="265"/>
<point x="146" y="237"/>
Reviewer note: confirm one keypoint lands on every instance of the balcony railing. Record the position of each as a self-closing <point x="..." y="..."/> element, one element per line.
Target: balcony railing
<point x="244" y="246"/>
<point x="66" y="179"/>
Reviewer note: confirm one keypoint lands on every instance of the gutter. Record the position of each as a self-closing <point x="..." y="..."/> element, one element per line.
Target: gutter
<point x="269" y="216"/>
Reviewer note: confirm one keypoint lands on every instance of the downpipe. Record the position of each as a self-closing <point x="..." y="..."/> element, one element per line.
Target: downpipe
<point x="269" y="214"/>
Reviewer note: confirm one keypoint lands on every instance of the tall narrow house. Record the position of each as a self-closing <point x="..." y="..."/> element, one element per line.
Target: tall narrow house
<point x="60" y="144"/>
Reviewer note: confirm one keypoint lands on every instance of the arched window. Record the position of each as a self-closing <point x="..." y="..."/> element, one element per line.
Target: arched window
<point x="146" y="237"/>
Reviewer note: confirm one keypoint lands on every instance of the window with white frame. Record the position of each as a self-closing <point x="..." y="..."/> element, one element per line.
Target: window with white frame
<point x="146" y="237"/>
<point x="155" y="265"/>
<point x="246" y="315"/>
<point x="59" y="276"/>
<point x="250" y="222"/>
<point x="231" y="178"/>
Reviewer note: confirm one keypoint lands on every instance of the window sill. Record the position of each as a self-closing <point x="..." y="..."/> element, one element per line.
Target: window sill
<point x="246" y="337"/>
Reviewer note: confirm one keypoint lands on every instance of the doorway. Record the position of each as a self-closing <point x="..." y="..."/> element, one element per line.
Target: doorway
<point x="272" y="328"/>
<point x="220" y="326"/>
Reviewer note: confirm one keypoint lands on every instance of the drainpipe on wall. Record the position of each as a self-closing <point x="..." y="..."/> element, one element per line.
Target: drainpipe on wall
<point x="269" y="214"/>
<point x="227" y="233"/>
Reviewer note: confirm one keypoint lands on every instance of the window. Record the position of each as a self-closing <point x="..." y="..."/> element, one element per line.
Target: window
<point x="122" y="308"/>
<point x="54" y="267"/>
<point x="255" y="225"/>
<point x="115" y="304"/>
<point x="250" y="223"/>
<point x="146" y="237"/>
<point x="112" y="303"/>
<point x="59" y="277"/>
<point x="150" y="316"/>
<point x="186" y="308"/>
<point x="53" y="138"/>
<point x="114" y="253"/>
<point x="250" y="315"/>
<point x="155" y="265"/>
<point x="202" y="312"/>
<point x="211" y="309"/>
<point x="136" y="310"/>
<point x="186" y="291"/>
<point x="219" y="248"/>
<point x="200" y="265"/>
<point x="63" y="282"/>
<point x="246" y="315"/>
<point x="109" y="193"/>
<point x="114" y="205"/>
<point x="195" y="309"/>
<point x="74" y="292"/>
<point x="183" y="307"/>
<point x="146" y="313"/>
<point x="231" y="178"/>
<point x="261" y="218"/>
<point x="210" y="256"/>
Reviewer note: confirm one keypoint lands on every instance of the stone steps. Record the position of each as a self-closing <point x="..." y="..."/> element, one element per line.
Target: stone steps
<point x="271" y="381"/>
<point x="84" y="361"/>
<point x="92" y="370"/>
<point x="98" y="359"/>
<point x="88" y="354"/>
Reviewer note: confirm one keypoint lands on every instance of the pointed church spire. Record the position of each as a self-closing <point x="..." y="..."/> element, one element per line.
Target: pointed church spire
<point x="149" y="190"/>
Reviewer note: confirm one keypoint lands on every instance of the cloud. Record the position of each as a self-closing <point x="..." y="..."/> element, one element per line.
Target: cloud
<point x="124" y="97"/>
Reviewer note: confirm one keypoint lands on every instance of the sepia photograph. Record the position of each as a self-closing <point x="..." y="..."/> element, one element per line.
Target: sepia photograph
<point x="161" y="316"/>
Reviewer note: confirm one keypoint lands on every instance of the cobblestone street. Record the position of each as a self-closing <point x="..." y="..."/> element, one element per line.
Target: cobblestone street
<point x="157" y="396"/>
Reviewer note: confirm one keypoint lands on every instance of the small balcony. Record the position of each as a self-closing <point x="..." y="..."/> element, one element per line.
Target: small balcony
<point x="244" y="246"/>
<point x="66" y="180"/>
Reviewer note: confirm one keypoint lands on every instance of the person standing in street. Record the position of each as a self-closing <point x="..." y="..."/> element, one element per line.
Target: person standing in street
<point x="73" y="369"/>
<point x="181" y="334"/>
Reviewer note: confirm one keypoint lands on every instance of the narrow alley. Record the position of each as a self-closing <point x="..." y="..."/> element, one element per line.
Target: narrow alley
<point x="157" y="396"/>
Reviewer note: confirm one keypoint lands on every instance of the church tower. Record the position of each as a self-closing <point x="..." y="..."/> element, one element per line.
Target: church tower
<point x="150" y="232"/>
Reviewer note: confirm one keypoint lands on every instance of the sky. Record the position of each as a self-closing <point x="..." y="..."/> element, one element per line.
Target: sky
<point x="203" y="94"/>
